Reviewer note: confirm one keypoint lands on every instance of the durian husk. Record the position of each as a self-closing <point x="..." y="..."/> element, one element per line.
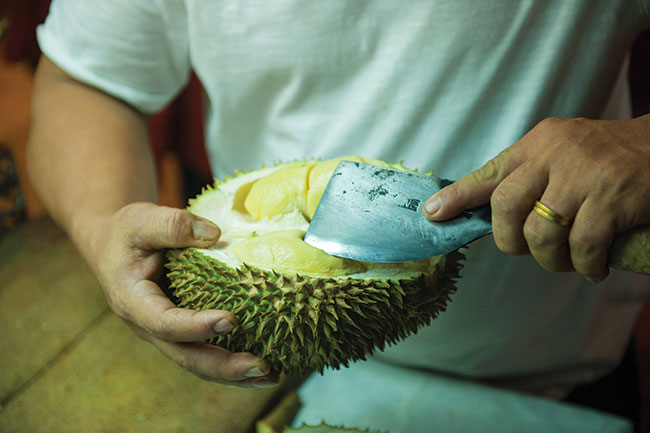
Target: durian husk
<point x="304" y="323"/>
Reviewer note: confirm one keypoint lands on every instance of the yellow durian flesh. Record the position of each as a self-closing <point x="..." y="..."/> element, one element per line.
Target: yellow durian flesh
<point x="241" y="194"/>
<point x="285" y="251"/>
<point x="280" y="192"/>
<point x="297" y="186"/>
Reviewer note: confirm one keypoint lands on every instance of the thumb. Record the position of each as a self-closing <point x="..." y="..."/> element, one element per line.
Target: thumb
<point x="158" y="227"/>
<point x="470" y="191"/>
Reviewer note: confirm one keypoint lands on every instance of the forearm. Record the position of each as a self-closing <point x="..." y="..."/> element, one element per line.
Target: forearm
<point x="88" y="154"/>
<point x="88" y="157"/>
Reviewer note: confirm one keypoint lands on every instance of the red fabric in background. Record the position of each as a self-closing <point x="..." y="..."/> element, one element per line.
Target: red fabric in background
<point x="178" y="127"/>
<point x="24" y="15"/>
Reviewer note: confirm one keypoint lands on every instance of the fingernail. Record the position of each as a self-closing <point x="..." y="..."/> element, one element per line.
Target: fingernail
<point x="432" y="206"/>
<point x="254" y="372"/>
<point x="223" y="326"/>
<point x="264" y="384"/>
<point x="204" y="231"/>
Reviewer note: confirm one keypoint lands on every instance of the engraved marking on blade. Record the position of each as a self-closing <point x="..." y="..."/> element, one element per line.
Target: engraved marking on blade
<point x="411" y="204"/>
<point x="376" y="192"/>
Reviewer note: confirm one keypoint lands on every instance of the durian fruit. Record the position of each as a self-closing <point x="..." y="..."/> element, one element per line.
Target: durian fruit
<point x="298" y="307"/>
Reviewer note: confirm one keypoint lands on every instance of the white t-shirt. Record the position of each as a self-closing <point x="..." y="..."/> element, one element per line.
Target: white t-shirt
<point x="438" y="84"/>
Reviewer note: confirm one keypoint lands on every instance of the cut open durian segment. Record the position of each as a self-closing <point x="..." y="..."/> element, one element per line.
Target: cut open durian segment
<point x="280" y="192"/>
<point x="286" y="251"/>
<point x="253" y="206"/>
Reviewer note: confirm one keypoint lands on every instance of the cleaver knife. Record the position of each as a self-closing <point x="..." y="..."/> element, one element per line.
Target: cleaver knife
<point x="374" y="214"/>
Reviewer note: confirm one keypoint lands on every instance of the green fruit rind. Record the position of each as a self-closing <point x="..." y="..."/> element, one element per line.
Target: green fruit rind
<point x="301" y="324"/>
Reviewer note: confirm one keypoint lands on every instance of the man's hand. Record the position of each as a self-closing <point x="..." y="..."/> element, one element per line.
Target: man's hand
<point x="595" y="172"/>
<point x="128" y="260"/>
<point x="90" y="161"/>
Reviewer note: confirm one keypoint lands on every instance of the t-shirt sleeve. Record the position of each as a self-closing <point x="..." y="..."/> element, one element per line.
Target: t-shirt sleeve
<point x="135" y="50"/>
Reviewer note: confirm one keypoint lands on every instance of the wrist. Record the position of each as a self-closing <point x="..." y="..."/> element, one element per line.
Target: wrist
<point x="86" y="231"/>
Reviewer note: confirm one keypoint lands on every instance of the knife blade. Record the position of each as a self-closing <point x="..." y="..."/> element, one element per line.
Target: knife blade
<point x="374" y="214"/>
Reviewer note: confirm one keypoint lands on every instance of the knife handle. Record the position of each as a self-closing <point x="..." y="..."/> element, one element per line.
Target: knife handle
<point x="630" y="250"/>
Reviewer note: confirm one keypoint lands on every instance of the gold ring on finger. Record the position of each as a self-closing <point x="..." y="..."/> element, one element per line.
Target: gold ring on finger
<point x="549" y="214"/>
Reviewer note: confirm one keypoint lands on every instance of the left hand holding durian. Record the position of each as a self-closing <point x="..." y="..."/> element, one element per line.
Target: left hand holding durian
<point x="92" y="166"/>
<point x="133" y="241"/>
